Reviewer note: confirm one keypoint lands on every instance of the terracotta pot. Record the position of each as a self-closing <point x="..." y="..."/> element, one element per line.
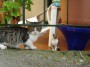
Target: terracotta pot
<point x="15" y="20"/>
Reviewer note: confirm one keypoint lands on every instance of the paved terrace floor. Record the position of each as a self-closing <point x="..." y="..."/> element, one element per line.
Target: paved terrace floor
<point x="43" y="58"/>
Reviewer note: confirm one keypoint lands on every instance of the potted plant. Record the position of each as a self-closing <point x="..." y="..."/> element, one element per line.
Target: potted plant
<point x="11" y="9"/>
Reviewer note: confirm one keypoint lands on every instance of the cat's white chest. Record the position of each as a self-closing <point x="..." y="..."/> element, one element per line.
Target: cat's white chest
<point x="33" y="38"/>
<point x="54" y="42"/>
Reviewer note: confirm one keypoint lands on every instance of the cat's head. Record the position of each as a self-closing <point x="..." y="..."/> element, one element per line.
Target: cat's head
<point x="34" y="29"/>
<point x="55" y="36"/>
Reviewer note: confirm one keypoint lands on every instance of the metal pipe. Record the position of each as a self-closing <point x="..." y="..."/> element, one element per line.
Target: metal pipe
<point x="44" y="11"/>
<point x="23" y="11"/>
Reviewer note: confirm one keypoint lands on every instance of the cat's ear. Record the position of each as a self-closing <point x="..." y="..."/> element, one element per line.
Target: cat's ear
<point x="28" y="22"/>
<point x="55" y="36"/>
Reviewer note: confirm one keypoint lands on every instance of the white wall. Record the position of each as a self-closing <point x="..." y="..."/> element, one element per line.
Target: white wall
<point x="35" y="9"/>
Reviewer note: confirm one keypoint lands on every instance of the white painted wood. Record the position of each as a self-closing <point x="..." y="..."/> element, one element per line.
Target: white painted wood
<point x="52" y="22"/>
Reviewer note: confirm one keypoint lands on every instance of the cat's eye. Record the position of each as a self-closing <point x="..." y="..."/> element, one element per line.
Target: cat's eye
<point x="39" y="28"/>
<point x="31" y="29"/>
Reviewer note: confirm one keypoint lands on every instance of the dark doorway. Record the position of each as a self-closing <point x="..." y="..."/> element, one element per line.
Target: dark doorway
<point x="49" y="2"/>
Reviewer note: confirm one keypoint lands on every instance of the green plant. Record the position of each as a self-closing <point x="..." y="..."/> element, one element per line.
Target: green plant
<point x="11" y="8"/>
<point x="28" y="4"/>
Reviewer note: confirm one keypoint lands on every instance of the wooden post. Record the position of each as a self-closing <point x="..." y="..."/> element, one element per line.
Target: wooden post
<point x="52" y="22"/>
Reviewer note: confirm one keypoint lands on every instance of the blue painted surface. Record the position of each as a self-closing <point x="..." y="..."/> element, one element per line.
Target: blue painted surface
<point x="76" y="37"/>
<point x="56" y="3"/>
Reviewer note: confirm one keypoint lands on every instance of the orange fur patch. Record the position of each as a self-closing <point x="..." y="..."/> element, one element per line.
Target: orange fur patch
<point x="21" y="46"/>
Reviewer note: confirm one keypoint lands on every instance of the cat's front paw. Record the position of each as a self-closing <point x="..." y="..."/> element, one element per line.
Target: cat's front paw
<point x="34" y="47"/>
<point x="3" y="47"/>
<point x="27" y="48"/>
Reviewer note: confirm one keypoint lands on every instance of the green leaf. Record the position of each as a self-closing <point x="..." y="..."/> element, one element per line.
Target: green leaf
<point x="15" y="5"/>
<point x="12" y="14"/>
<point x="4" y="9"/>
<point x="28" y="7"/>
<point x="19" y="2"/>
<point x="18" y="13"/>
<point x="7" y="18"/>
<point x="28" y="4"/>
